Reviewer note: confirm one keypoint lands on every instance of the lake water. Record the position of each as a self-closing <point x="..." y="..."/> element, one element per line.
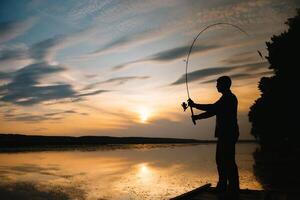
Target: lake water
<point x="131" y="172"/>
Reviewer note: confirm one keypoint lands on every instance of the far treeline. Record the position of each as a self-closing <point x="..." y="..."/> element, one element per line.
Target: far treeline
<point x="16" y="140"/>
<point x="19" y="141"/>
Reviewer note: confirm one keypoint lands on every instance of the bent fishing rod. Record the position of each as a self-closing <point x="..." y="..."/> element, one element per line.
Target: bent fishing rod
<point x="184" y="104"/>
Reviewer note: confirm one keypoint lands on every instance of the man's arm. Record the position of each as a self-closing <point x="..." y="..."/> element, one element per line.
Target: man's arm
<point x="205" y="107"/>
<point x="204" y="115"/>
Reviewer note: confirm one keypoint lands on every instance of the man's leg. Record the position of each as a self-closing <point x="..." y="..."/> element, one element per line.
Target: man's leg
<point x="233" y="176"/>
<point x="221" y="166"/>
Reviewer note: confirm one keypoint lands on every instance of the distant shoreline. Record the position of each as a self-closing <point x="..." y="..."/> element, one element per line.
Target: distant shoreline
<point x="15" y="142"/>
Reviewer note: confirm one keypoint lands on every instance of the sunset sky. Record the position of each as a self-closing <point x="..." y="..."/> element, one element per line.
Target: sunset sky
<point x="109" y="67"/>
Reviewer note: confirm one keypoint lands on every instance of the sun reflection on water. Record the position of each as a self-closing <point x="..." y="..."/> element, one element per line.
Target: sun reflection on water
<point x="144" y="170"/>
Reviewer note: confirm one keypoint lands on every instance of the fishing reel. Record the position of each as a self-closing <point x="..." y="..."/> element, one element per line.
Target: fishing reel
<point x="185" y="106"/>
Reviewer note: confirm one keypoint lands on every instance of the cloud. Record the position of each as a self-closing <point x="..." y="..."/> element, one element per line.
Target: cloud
<point x="32" y="118"/>
<point x="117" y="81"/>
<point x="243" y="76"/>
<point x="130" y="40"/>
<point x="122" y="80"/>
<point x="179" y="52"/>
<point x="42" y="50"/>
<point x="234" y="76"/>
<point x="83" y="9"/>
<point x="110" y="11"/>
<point x="245" y="57"/>
<point x="257" y="17"/>
<point x="202" y="73"/>
<point x="115" y="44"/>
<point x="25" y="89"/>
<point x="12" y="29"/>
<point x="5" y="76"/>
<point x="123" y="27"/>
<point x="170" y="55"/>
<point x="38" y="52"/>
<point x="90" y="76"/>
<point x="244" y="13"/>
<point x="125" y="65"/>
<point x="92" y="93"/>
<point x="30" y="74"/>
<point x="131" y="37"/>
<point x="30" y="94"/>
<point x="207" y="72"/>
<point x="17" y="52"/>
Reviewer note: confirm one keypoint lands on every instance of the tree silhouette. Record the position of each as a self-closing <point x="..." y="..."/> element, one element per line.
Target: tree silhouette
<point x="274" y="116"/>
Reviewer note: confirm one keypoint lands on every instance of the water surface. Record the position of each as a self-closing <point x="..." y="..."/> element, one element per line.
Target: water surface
<point x="143" y="172"/>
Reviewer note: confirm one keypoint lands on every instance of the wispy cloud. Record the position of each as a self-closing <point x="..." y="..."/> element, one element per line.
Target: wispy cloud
<point x="130" y="40"/>
<point x="117" y="81"/>
<point x="244" y="13"/>
<point x="42" y="50"/>
<point x="16" y="52"/>
<point x="180" y="52"/>
<point x="5" y="75"/>
<point x="35" y="118"/>
<point x="122" y="43"/>
<point x="92" y="93"/>
<point x="242" y="76"/>
<point x="124" y="79"/>
<point x="84" y="9"/>
<point x="170" y="55"/>
<point x="12" y="29"/>
<point x="26" y="117"/>
<point x="240" y="58"/>
<point x="212" y="71"/>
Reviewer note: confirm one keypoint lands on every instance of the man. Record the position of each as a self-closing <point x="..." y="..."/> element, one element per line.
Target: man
<point x="227" y="132"/>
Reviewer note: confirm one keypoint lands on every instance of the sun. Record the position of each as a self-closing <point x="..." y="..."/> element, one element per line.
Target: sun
<point x="144" y="114"/>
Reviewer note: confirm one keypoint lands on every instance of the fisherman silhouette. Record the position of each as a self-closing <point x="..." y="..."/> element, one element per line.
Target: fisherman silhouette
<point x="227" y="132"/>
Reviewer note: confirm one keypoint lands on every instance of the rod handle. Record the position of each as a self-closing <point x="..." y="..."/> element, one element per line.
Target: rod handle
<point x="194" y="121"/>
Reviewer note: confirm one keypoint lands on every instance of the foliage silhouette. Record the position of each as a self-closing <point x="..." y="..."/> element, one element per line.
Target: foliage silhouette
<point x="274" y="115"/>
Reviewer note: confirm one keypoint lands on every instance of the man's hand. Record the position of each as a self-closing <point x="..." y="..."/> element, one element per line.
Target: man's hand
<point x="191" y="103"/>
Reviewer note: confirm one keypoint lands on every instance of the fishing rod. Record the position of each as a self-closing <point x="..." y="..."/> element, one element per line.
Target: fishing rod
<point x="184" y="104"/>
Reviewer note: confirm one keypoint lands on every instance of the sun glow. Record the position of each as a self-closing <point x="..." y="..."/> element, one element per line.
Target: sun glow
<point x="145" y="173"/>
<point x="144" y="169"/>
<point x="144" y="114"/>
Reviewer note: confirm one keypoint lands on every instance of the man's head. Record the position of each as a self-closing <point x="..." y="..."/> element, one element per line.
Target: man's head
<point x="223" y="84"/>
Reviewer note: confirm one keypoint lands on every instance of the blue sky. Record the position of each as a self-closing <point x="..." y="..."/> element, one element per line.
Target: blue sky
<point x="115" y="67"/>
